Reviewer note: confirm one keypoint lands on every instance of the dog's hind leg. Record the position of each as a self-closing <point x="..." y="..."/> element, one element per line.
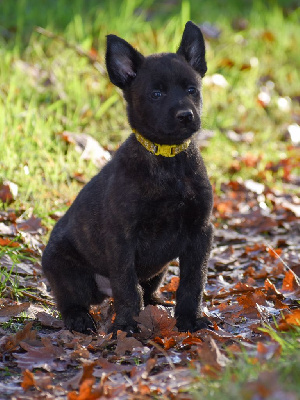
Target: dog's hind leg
<point x="75" y="290"/>
<point x="150" y="289"/>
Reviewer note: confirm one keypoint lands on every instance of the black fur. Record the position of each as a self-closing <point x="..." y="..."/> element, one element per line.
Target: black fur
<point x="141" y="211"/>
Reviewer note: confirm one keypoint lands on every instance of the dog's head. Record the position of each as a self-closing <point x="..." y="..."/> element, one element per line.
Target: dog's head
<point x="163" y="91"/>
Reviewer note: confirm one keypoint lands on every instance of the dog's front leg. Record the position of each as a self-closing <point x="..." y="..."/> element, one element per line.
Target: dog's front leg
<point x="127" y="292"/>
<point x="193" y="270"/>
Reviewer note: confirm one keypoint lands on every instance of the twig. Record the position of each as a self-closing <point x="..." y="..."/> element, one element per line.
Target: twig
<point x="37" y="298"/>
<point x="96" y="64"/>
<point x="159" y="348"/>
<point x="284" y="263"/>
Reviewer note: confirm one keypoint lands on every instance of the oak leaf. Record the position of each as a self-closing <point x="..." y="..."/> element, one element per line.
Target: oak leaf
<point x="155" y="321"/>
<point x="38" y="357"/>
<point x="125" y="343"/>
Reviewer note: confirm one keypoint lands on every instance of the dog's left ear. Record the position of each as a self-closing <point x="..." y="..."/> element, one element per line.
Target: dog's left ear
<point x="192" y="47"/>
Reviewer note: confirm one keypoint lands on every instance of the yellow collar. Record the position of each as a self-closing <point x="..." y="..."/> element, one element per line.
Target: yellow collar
<point x="164" y="150"/>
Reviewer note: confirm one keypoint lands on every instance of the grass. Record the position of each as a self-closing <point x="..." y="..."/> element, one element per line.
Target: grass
<point x="47" y="88"/>
<point x="9" y="279"/>
<point x="247" y="377"/>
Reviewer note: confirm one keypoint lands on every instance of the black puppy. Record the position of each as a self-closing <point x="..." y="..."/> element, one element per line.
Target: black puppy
<point x="149" y="205"/>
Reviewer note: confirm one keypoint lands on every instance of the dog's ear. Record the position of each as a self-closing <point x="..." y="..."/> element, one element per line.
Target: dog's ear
<point x="122" y="61"/>
<point x="192" y="47"/>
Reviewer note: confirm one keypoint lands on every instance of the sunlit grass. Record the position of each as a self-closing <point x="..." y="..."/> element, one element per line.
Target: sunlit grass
<point x="47" y="87"/>
<point x="246" y="377"/>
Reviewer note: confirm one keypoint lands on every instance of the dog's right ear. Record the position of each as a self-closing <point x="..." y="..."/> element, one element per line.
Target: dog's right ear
<point x="122" y="61"/>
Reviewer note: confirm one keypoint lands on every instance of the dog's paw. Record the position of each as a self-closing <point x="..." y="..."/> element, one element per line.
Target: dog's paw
<point x="157" y="300"/>
<point x="203" y="323"/>
<point x="130" y="329"/>
<point x="80" y="321"/>
<point x="193" y="326"/>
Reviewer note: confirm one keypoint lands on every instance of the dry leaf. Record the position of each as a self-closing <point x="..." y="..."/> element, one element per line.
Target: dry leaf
<point x="155" y="321"/>
<point x="125" y="343"/>
<point x="39" y="357"/>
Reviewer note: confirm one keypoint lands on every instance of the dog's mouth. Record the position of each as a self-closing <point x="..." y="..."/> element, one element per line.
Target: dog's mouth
<point x="181" y="133"/>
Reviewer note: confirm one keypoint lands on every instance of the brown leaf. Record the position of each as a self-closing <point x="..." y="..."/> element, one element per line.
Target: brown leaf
<point x="79" y="353"/>
<point x="8" y="242"/>
<point x="48" y="320"/>
<point x="249" y="301"/>
<point x="39" y="380"/>
<point x="28" y="379"/>
<point x="290" y="283"/>
<point x="38" y="357"/>
<point x="154" y="321"/>
<point x="6" y="195"/>
<point x="13" y="310"/>
<point x="13" y="341"/>
<point x="271" y="291"/>
<point x="190" y="340"/>
<point x="86" y="391"/>
<point x="210" y="354"/>
<point x="32" y="225"/>
<point x="172" y="286"/>
<point x="290" y="320"/>
<point x="110" y="368"/>
<point x="268" y="36"/>
<point x="169" y="343"/>
<point x="85" y="373"/>
<point x="125" y="343"/>
<point x="266" y="351"/>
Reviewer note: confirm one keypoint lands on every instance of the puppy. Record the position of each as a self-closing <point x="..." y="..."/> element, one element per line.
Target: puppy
<point x="149" y="205"/>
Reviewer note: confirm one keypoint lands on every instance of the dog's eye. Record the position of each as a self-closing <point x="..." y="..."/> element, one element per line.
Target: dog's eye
<point x="156" y="94"/>
<point x="192" y="90"/>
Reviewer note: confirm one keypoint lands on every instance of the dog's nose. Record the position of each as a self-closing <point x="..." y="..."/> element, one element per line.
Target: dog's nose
<point x="185" y="116"/>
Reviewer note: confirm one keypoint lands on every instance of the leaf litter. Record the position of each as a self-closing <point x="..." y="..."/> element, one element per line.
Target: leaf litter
<point x="253" y="281"/>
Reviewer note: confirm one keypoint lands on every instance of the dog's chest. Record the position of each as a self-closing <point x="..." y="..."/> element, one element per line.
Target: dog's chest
<point x="167" y="216"/>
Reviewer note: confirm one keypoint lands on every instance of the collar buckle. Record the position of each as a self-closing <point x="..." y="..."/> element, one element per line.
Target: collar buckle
<point x="166" y="150"/>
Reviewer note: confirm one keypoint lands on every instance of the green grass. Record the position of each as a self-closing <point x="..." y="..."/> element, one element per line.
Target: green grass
<point x="9" y="279"/>
<point x="47" y="88"/>
<point x="247" y="377"/>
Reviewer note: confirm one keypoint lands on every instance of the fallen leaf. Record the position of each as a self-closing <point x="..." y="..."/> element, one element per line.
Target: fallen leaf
<point x="7" y="230"/>
<point x="155" y="321"/>
<point x="249" y="302"/>
<point x="266" y="351"/>
<point x="89" y="148"/>
<point x="8" y="242"/>
<point x="290" y="320"/>
<point x="210" y="354"/>
<point x="39" y="357"/>
<point x="10" y="343"/>
<point x="14" y="309"/>
<point x="28" y="379"/>
<point x="86" y="391"/>
<point x="8" y="192"/>
<point x="172" y="286"/>
<point x="125" y="343"/>
<point x="32" y="225"/>
<point x="290" y="282"/>
<point x="48" y="320"/>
